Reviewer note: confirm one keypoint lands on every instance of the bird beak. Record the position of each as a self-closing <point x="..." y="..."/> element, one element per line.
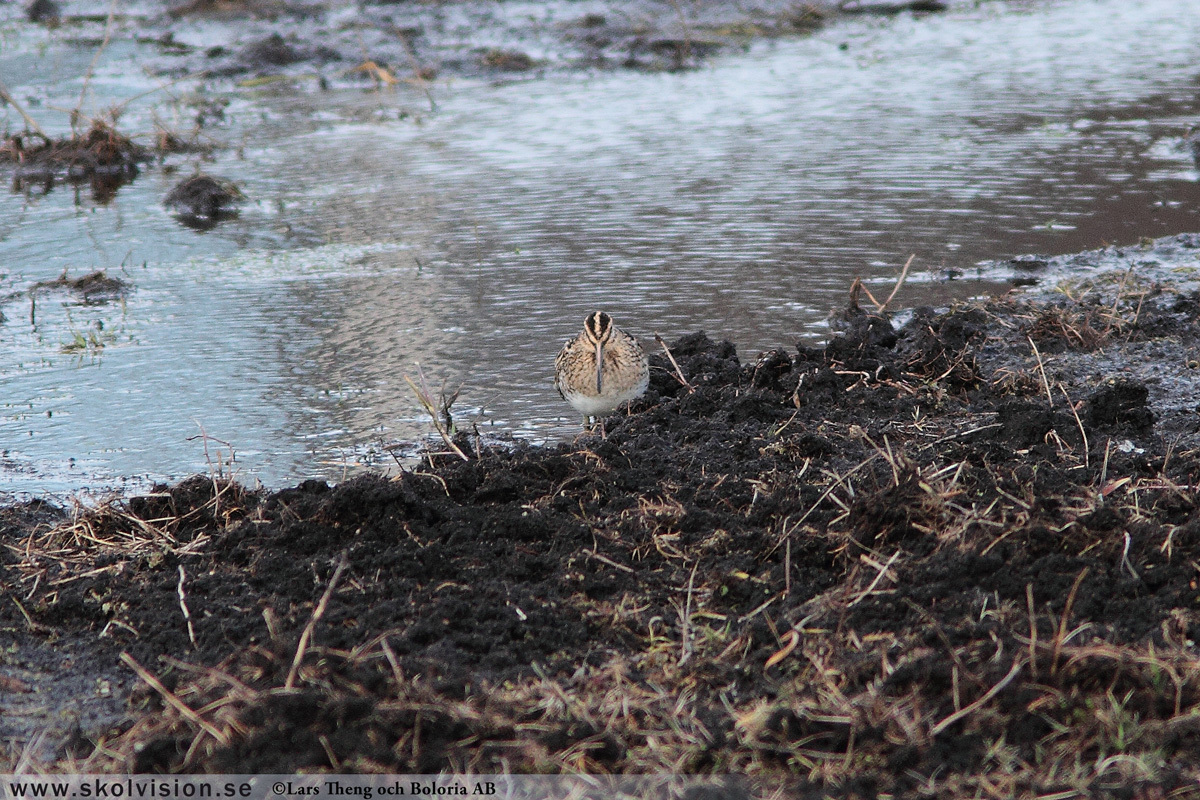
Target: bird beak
<point x="599" y="366"/>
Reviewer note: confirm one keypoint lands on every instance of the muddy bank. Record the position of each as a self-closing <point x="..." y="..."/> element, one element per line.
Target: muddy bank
<point x="954" y="555"/>
<point x="387" y="42"/>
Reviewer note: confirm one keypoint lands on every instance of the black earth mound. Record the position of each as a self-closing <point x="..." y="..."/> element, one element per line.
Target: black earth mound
<point x="921" y="561"/>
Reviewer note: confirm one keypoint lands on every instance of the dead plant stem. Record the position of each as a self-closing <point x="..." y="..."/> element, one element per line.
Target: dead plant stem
<point x="899" y="282"/>
<point x="995" y="690"/>
<point x="678" y="372"/>
<point x="840" y="480"/>
<point x="881" y="570"/>
<point x="30" y="123"/>
<point x="187" y="615"/>
<point x="418" y="76"/>
<point x="426" y="401"/>
<point x="685" y="645"/>
<point x="1041" y="370"/>
<point x="172" y="700"/>
<point x="1033" y="671"/>
<point x="87" y="77"/>
<point x="606" y="560"/>
<point x="318" y="612"/>
<point x="686" y="55"/>
<point x="1086" y="447"/>
<point x="1060" y="637"/>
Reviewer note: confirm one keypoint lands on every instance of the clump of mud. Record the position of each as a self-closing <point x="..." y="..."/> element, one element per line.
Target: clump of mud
<point x="417" y="40"/>
<point x="507" y="60"/>
<point x="94" y="287"/>
<point x="932" y="560"/>
<point x="103" y="156"/>
<point x="204" y="200"/>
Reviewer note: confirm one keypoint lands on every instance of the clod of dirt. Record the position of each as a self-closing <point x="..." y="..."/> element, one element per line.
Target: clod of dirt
<point x="1026" y="424"/>
<point x="859" y="335"/>
<point x="507" y="60"/>
<point x="94" y="287"/>
<point x="891" y="7"/>
<point x="204" y="199"/>
<point x="268" y="56"/>
<point x="668" y="54"/>
<point x="272" y="51"/>
<point x="1030" y="263"/>
<point x="1120" y="403"/>
<point x="942" y="347"/>
<point x="43" y="11"/>
<point x="102" y="155"/>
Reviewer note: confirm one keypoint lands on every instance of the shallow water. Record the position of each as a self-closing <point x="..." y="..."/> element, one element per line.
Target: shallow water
<point x="741" y="198"/>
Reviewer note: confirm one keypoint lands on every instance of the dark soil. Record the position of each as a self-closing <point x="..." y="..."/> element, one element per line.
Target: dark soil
<point x="890" y="565"/>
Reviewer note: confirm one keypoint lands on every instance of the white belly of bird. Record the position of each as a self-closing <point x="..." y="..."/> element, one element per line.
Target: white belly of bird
<point x="591" y="405"/>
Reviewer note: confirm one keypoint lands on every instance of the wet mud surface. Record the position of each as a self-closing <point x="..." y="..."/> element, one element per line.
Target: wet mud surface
<point x="402" y="42"/>
<point x="930" y="559"/>
<point x="386" y="42"/>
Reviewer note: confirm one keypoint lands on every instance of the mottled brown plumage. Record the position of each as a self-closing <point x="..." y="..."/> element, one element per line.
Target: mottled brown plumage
<point x="601" y="368"/>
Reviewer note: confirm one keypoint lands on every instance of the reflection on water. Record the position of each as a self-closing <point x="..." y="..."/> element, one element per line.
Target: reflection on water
<point x="741" y="199"/>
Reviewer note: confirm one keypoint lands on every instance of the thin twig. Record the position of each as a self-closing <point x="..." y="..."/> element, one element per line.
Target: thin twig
<point x="87" y="77"/>
<point x="1112" y="316"/>
<point x="882" y="570"/>
<point x="426" y="401"/>
<point x="211" y="672"/>
<point x="995" y="690"/>
<point x="678" y="372"/>
<point x="1042" y="370"/>
<point x="318" y="612"/>
<point x="418" y="78"/>
<point x="1062" y="623"/>
<point x="899" y="281"/>
<point x="394" y="662"/>
<point x="686" y="55"/>
<point x="840" y="480"/>
<point x="787" y="566"/>
<point x="685" y="645"/>
<point x="30" y="123"/>
<point x="1125" y="558"/>
<point x="1087" y="462"/>
<point x="1032" y="631"/>
<point x="187" y="615"/>
<point x="180" y="706"/>
<point x="1104" y="468"/>
<point x="609" y="561"/>
<point x="33" y="626"/>
<point x="857" y="288"/>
